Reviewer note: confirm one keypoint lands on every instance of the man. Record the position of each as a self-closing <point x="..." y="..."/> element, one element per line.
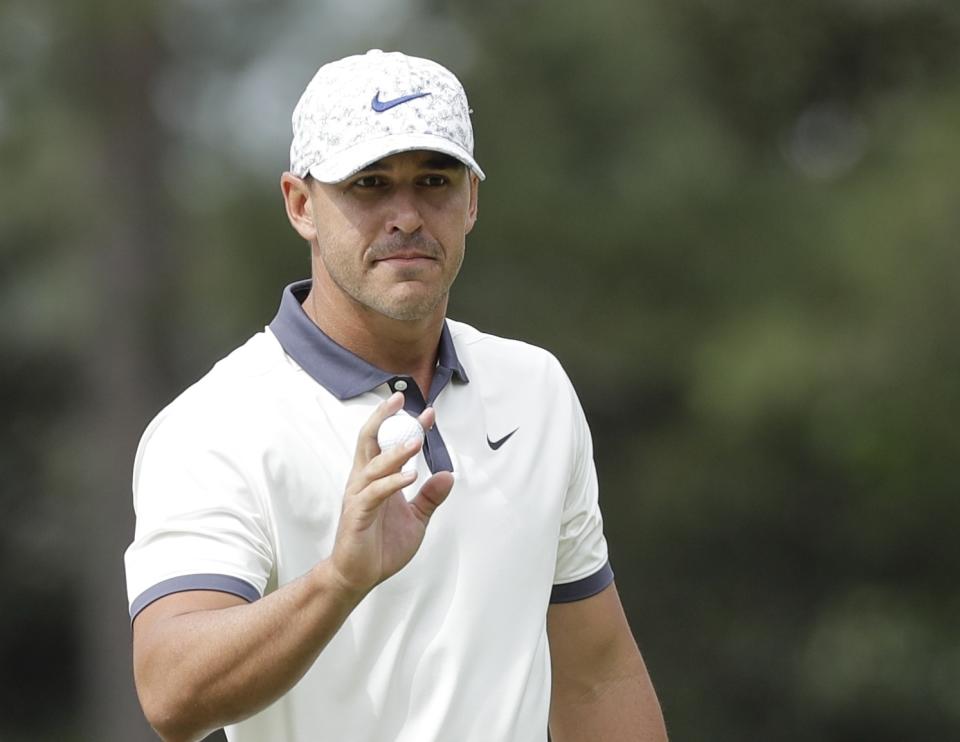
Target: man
<point x="288" y="579"/>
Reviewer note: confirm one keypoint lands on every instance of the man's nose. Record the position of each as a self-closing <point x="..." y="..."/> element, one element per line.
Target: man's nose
<point x="404" y="212"/>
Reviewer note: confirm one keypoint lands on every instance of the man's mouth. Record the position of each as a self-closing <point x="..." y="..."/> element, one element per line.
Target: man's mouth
<point x="405" y="255"/>
<point x="407" y="251"/>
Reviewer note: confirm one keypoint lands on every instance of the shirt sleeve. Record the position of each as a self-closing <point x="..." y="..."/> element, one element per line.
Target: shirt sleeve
<point x="582" y="566"/>
<point x="201" y="524"/>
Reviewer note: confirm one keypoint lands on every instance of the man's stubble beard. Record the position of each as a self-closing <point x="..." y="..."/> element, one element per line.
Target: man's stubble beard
<point x="354" y="286"/>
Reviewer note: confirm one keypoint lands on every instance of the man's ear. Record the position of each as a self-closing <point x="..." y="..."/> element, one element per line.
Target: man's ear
<point x="472" y="207"/>
<point x="296" y="200"/>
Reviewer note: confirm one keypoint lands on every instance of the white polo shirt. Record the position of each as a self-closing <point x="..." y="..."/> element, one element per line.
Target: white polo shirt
<point x="238" y="486"/>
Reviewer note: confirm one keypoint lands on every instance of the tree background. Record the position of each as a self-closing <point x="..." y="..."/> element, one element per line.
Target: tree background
<point x="735" y="222"/>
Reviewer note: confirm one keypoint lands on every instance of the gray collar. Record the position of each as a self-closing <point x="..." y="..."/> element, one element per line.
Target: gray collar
<point x="342" y="373"/>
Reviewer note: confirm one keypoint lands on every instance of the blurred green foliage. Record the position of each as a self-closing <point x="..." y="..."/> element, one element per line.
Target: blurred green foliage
<point x="736" y="223"/>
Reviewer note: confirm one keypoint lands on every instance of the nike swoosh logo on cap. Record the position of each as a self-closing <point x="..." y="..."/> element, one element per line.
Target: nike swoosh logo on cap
<point x="496" y="444"/>
<point x="385" y="105"/>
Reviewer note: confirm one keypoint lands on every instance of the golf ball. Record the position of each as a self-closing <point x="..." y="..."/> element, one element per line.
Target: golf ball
<point x="397" y="430"/>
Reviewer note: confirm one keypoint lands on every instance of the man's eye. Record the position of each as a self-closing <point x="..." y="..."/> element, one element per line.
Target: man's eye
<point x="435" y="180"/>
<point x="368" y="181"/>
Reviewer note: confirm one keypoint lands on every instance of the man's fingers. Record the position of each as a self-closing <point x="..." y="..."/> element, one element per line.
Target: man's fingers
<point x="390" y="460"/>
<point x="432" y="494"/>
<point x="378" y="491"/>
<point x="370" y="463"/>
<point x="427" y="418"/>
<point x="367" y="446"/>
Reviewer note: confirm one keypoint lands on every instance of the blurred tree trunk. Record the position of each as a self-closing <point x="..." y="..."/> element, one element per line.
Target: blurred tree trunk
<point x="132" y="256"/>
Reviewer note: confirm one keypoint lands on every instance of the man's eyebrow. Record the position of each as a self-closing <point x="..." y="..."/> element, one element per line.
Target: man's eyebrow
<point x="378" y="165"/>
<point x="442" y="162"/>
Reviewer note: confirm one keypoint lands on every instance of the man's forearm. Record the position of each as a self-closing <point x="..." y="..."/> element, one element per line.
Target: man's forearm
<point x="601" y="689"/>
<point x="620" y="710"/>
<point x="206" y="668"/>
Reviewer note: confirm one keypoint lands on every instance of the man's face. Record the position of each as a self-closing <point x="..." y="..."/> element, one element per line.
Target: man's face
<point x="391" y="238"/>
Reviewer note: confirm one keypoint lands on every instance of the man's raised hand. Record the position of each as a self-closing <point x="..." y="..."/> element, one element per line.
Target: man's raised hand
<point x="379" y="531"/>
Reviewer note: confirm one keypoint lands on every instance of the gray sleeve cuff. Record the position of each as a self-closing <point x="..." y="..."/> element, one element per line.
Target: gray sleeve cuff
<point x="217" y="583"/>
<point x="583" y="588"/>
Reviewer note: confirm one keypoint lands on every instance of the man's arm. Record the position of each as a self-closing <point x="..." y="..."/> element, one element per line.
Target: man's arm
<point x="205" y="659"/>
<point x="601" y="689"/>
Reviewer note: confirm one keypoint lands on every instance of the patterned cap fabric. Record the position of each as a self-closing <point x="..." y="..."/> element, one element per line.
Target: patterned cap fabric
<point x="363" y="108"/>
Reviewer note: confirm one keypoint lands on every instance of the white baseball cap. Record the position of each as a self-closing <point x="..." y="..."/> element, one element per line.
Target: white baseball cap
<point x="362" y="108"/>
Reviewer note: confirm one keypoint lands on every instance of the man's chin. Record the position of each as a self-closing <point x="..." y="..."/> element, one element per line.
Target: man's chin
<point x="408" y="308"/>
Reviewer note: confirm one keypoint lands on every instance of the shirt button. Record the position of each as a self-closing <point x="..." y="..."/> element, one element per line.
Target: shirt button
<point x="400" y="385"/>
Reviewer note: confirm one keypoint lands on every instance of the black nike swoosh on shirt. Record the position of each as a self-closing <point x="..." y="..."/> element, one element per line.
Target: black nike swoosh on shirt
<point x="494" y="445"/>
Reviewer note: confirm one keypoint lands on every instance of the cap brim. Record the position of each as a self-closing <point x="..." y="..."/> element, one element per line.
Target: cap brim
<point x="354" y="159"/>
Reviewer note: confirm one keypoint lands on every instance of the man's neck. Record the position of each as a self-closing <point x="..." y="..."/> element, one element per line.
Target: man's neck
<point x="403" y="347"/>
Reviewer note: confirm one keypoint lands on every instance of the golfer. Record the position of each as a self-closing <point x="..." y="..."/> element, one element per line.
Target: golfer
<point x="290" y="581"/>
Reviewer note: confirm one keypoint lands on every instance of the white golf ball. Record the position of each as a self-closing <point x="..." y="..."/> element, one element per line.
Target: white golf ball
<point x="397" y="430"/>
